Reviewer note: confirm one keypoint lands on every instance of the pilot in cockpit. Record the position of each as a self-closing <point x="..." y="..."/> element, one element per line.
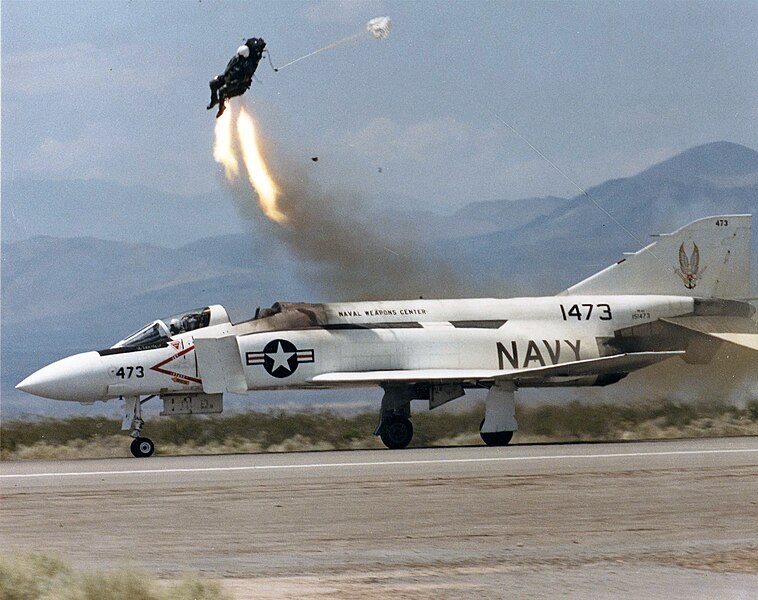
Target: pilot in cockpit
<point x="174" y="326"/>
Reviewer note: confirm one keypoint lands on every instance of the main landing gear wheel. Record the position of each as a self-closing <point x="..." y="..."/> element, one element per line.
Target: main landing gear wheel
<point x="396" y="432"/>
<point x="495" y="438"/>
<point x="142" y="447"/>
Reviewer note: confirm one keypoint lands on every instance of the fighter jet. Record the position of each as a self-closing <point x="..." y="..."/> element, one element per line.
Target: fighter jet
<point x="238" y="75"/>
<point x="679" y="300"/>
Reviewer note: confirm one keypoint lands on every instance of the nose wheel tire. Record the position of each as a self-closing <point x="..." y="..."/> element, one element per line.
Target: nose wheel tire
<point x="142" y="447"/>
<point x="495" y="438"/>
<point x="396" y="432"/>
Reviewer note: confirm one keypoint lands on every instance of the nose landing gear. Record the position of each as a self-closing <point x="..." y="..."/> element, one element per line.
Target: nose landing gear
<point x="141" y="447"/>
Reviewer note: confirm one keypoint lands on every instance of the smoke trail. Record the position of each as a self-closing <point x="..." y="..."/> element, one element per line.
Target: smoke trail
<point x="730" y="378"/>
<point x="331" y="232"/>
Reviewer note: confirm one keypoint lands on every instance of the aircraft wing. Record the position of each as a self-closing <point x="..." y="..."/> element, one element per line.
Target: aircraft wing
<point x="618" y="363"/>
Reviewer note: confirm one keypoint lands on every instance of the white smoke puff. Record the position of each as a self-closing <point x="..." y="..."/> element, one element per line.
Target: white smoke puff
<point x="379" y="27"/>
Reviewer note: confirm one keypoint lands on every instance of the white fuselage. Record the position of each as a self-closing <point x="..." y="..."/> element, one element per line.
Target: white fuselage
<point x="495" y="334"/>
<point x="447" y="334"/>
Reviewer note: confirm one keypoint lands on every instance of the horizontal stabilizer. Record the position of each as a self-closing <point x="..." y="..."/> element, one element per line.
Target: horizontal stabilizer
<point x="735" y="330"/>
<point x="619" y="363"/>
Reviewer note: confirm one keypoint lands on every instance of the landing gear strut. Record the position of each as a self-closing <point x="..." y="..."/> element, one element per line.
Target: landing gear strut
<point x="495" y="438"/>
<point x="395" y="426"/>
<point x="499" y="423"/>
<point x="396" y="432"/>
<point x="141" y="447"/>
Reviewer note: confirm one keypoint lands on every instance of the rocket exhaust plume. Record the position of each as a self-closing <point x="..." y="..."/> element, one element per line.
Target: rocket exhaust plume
<point x="342" y="250"/>
<point x="223" y="151"/>
<point x="257" y="171"/>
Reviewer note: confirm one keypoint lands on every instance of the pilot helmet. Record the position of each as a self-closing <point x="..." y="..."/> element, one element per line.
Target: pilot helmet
<point x="243" y="51"/>
<point x="256" y="43"/>
<point x="174" y="326"/>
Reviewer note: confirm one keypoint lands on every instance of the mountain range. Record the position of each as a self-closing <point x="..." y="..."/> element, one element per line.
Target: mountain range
<point x="69" y="285"/>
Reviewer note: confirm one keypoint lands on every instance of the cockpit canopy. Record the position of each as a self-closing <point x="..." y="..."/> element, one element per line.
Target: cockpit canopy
<point x="160" y="331"/>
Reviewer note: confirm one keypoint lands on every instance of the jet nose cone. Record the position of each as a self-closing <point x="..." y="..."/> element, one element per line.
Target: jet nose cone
<point x="80" y="377"/>
<point x="38" y="383"/>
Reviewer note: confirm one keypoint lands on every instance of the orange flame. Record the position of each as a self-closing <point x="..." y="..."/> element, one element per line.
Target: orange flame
<point x="225" y="153"/>
<point x="257" y="171"/>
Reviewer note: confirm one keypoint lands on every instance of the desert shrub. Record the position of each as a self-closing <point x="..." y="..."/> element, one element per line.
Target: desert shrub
<point x="429" y="426"/>
<point x="28" y="576"/>
<point x="117" y="585"/>
<point x="80" y="437"/>
<point x="56" y="431"/>
<point x="194" y="588"/>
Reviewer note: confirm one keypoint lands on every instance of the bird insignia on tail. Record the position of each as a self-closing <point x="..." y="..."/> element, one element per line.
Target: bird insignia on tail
<point x="689" y="266"/>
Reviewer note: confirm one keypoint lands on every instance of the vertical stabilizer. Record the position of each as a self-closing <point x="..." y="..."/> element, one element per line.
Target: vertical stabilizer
<point x="709" y="258"/>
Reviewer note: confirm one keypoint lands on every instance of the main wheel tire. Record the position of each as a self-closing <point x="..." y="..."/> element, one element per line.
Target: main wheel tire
<point x="495" y="438"/>
<point x="142" y="447"/>
<point x="396" y="432"/>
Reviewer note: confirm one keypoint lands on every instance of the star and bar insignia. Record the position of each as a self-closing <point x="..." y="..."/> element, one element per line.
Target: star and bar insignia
<point x="280" y="358"/>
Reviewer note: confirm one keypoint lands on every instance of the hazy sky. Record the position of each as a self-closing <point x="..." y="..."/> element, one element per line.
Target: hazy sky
<point x="117" y="91"/>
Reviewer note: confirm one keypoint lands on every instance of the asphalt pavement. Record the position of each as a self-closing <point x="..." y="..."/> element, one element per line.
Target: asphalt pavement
<point x="669" y="519"/>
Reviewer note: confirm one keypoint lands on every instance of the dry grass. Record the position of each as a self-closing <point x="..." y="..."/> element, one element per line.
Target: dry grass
<point x="26" y="576"/>
<point x="98" y="437"/>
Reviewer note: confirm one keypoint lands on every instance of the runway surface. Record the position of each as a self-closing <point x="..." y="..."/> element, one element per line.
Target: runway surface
<point x="676" y="519"/>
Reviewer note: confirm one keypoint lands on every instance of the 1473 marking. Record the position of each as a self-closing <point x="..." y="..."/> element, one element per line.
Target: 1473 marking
<point x="584" y="312"/>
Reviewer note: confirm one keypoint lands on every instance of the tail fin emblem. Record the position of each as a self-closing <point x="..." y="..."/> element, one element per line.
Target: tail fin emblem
<point x="689" y="266"/>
